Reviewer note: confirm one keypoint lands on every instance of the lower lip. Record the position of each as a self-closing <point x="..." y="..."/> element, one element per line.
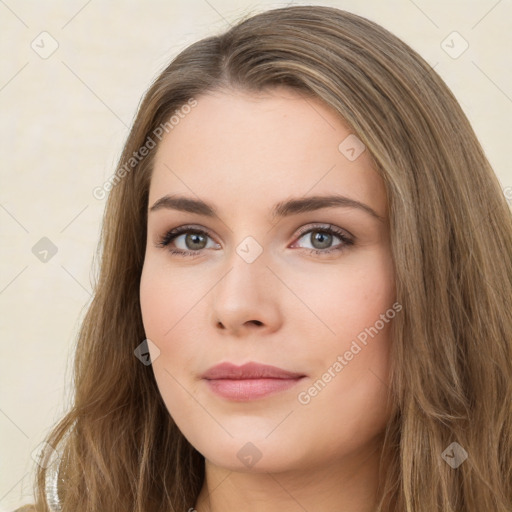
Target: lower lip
<point x="241" y="390"/>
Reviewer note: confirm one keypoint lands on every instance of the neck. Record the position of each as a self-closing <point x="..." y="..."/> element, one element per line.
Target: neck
<point x="350" y="485"/>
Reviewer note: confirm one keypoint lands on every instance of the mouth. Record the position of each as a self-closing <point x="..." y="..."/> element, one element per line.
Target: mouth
<point x="249" y="381"/>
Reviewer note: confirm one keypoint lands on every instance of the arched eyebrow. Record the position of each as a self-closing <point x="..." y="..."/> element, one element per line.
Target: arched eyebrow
<point x="282" y="209"/>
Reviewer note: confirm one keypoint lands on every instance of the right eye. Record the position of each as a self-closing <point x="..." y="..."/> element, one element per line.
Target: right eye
<point x="193" y="238"/>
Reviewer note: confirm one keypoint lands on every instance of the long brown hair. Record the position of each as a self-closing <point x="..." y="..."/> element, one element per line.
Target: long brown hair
<point x="451" y="236"/>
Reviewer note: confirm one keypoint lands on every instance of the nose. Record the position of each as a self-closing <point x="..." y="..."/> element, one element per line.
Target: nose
<point x="247" y="299"/>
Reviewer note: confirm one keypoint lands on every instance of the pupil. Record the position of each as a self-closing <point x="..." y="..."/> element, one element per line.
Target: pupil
<point x="195" y="237"/>
<point x="318" y="235"/>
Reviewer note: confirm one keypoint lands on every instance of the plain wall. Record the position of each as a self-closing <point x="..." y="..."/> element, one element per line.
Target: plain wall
<point x="64" y="118"/>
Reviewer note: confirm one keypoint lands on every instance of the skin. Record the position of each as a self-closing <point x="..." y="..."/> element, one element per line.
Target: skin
<point x="245" y="152"/>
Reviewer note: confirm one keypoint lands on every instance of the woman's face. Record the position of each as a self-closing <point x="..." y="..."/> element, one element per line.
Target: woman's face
<point x="258" y="277"/>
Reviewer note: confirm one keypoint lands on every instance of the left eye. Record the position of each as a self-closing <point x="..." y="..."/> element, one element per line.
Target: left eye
<point x="322" y="238"/>
<point x="195" y="240"/>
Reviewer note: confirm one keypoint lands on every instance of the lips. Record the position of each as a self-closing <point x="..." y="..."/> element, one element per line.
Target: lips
<point x="249" y="381"/>
<point x="249" y="371"/>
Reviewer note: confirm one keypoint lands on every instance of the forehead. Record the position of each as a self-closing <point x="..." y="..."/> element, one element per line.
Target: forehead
<point x="253" y="150"/>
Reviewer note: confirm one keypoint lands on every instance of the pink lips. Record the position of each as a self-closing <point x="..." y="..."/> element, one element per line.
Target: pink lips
<point x="249" y="381"/>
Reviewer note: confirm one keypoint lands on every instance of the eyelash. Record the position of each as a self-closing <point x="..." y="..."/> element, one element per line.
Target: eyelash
<point x="166" y="239"/>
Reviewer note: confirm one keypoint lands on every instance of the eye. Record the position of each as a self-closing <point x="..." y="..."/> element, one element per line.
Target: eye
<point x="195" y="240"/>
<point x="321" y="238"/>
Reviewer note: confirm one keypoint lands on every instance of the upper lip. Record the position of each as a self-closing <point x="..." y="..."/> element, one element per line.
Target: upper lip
<point x="249" y="371"/>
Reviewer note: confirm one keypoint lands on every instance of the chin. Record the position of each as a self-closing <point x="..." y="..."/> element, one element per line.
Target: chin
<point x="251" y="454"/>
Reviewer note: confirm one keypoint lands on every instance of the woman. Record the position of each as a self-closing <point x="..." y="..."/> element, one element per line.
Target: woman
<point x="368" y="370"/>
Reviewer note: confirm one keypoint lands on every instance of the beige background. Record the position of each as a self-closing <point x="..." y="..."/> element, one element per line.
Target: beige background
<point x="64" y="119"/>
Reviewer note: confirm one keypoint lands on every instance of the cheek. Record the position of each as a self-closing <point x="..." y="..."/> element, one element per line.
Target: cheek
<point x="344" y="404"/>
<point x="165" y="303"/>
<point x="343" y="300"/>
<point x="153" y="300"/>
<point x="166" y="296"/>
<point x="351" y="358"/>
<point x="170" y="301"/>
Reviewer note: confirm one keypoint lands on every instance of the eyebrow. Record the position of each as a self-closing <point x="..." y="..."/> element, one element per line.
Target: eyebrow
<point x="282" y="209"/>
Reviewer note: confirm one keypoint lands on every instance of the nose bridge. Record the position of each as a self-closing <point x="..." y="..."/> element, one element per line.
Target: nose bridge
<point x="247" y="276"/>
<point x="248" y="291"/>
